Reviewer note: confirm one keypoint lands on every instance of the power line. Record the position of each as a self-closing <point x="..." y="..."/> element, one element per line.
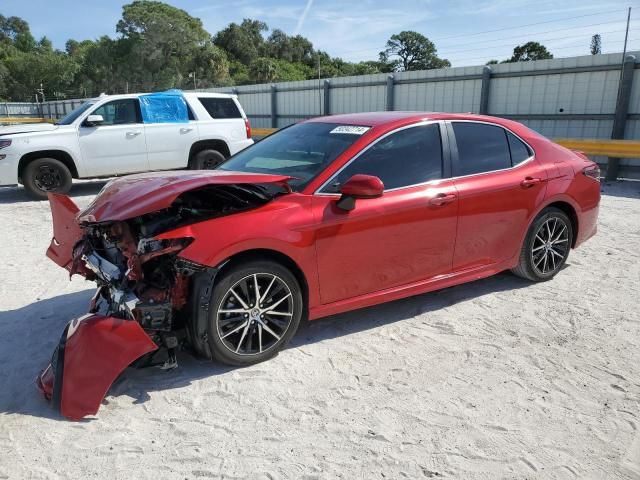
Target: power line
<point x="532" y="24"/>
<point x="537" y="34"/>
<point x="511" y="44"/>
<point x="508" y="28"/>
<point x="611" y="50"/>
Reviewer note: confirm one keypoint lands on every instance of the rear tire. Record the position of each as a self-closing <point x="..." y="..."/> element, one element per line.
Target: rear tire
<point x="45" y="175"/>
<point x="245" y="328"/>
<point x="206" y="160"/>
<point x="546" y="246"/>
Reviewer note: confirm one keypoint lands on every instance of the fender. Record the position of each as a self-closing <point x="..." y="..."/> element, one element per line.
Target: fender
<point x="93" y="351"/>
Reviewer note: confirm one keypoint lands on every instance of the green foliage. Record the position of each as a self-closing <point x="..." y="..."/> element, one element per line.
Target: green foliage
<point x="28" y="70"/>
<point x="528" y="52"/>
<point x="242" y="42"/>
<point x="410" y="50"/>
<point x="159" y="46"/>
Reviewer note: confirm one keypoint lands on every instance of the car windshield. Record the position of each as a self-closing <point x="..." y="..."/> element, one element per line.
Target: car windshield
<point x="301" y="151"/>
<point x="70" y="118"/>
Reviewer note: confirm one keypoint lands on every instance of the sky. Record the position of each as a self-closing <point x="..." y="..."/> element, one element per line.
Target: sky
<point x="467" y="32"/>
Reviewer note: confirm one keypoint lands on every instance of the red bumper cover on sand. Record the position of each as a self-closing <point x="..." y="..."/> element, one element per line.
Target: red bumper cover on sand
<point x="93" y="351"/>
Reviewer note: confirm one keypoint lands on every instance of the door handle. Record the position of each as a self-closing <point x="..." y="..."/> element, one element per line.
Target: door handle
<point x="529" y="182"/>
<point x="442" y="199"/>
<point x="133" y="134"/>
<point x="185" y="130"/>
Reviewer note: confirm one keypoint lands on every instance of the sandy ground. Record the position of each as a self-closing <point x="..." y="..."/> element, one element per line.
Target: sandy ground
<point x="494" y="379"/>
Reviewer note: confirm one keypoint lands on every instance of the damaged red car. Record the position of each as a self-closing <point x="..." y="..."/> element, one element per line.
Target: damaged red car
<point x="322" y="217"/>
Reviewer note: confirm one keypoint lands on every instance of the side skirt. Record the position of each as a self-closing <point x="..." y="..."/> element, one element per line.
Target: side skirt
<point x="411" y="289"/>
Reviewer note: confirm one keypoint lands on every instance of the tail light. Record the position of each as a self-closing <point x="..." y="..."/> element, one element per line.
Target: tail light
<point x="592" y="171"/>
<point x="247" y="127"/>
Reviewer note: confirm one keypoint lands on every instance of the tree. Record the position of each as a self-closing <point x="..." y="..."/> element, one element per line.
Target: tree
<point x="161" y="43"/>
<point x="596" y="44"/>
<point x="242" y="42"/>
<point x="263" y="70"/>
<point x="492" y="62"/>
<point x="15" y="32"/>
<point x="529" y="51"/>
<point x="28" y="70"/>
<point x="410" y="50"/>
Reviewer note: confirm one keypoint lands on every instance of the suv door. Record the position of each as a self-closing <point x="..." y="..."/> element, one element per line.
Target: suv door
<point x="118" y="144"/>
<point x="405" y="236"/>
<point x="169" y="144"/>
<point x="499" y="184"/>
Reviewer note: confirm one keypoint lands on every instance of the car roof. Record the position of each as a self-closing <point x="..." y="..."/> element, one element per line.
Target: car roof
<point x="136" y="95"/>
<point x="374" y="119"/>
<point x="390" y="120"/>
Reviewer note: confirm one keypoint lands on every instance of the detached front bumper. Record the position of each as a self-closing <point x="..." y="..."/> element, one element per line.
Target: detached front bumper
<point x="93" y="351"/>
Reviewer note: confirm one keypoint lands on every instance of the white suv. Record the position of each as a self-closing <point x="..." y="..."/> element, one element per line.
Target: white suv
<point x="111" y="135"/>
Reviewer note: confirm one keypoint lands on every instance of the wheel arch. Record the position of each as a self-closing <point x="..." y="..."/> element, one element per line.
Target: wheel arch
<point x="214" y="144"/>
<point x="570" y="211"/>
<point x="60" y="155"/>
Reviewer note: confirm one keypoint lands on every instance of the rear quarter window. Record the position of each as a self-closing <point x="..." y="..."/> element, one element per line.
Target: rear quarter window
<point x="220" y="107"/>
<point x="519" y="151"/>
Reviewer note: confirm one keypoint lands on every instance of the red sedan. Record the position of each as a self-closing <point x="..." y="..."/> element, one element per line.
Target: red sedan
<point x="325" y="216"/>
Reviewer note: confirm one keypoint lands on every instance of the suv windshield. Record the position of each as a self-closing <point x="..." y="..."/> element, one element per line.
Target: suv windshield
<point x="69" y="118"/>
<point x="301" y="151"/>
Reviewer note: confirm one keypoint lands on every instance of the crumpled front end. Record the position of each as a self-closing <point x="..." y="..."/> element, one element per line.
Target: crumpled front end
<point x="143" y="287"/>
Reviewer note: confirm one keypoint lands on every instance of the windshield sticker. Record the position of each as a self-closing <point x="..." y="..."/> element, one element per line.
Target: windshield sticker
<point x="350" y="129"/>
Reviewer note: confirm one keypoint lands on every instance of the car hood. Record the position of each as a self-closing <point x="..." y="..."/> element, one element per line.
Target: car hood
<point x="27" y="128"/>
<point x="136" y="195"/>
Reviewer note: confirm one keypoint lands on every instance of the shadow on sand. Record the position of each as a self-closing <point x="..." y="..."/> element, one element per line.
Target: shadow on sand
<point x="79" y="189"/>
<point x="29" y="335"/>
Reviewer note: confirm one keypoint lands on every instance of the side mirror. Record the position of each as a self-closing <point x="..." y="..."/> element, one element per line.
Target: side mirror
<point x="359" y="186"/>
<point x="94" y="120"/>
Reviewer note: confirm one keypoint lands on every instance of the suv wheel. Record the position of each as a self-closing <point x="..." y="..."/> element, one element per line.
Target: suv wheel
<point x="45" y="175"/>
<point x="206" y="160"/>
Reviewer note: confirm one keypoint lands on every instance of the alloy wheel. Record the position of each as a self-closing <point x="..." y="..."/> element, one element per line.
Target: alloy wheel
<point x="254" y="314"/>
<point x="550" y="246"/>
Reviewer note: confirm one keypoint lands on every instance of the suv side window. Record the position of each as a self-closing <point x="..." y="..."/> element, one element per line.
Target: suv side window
<point x="120" y="112"/>
<point x="481" y="148"/>
<point x="408" y="157"/>
<point x="220" y="107"/>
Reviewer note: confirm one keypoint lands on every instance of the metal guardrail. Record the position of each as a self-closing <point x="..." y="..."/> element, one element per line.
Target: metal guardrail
<point x="16" y="120"/>
<point x="607" y="148"/>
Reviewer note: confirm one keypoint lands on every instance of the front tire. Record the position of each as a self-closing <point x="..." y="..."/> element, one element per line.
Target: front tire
<point x="546" y="246"/>
<point x="256" y="309"/>
<point x="206" y="160"/>
<point x="45" y="175"/>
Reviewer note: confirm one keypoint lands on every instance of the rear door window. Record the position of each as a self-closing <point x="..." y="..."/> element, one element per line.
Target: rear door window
<point x="220" y="107"/>
<point x="481" y="148"/>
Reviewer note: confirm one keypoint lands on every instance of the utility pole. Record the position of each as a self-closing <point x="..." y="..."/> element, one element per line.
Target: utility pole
<point x="41" y="92"/>
<point x="319" y="95"/>
<point x="626" y="35"/>
<point x="193" y="75"/>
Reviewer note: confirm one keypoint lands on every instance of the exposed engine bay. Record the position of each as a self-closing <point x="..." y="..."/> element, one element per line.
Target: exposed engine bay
<point x="140" y="278"/>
